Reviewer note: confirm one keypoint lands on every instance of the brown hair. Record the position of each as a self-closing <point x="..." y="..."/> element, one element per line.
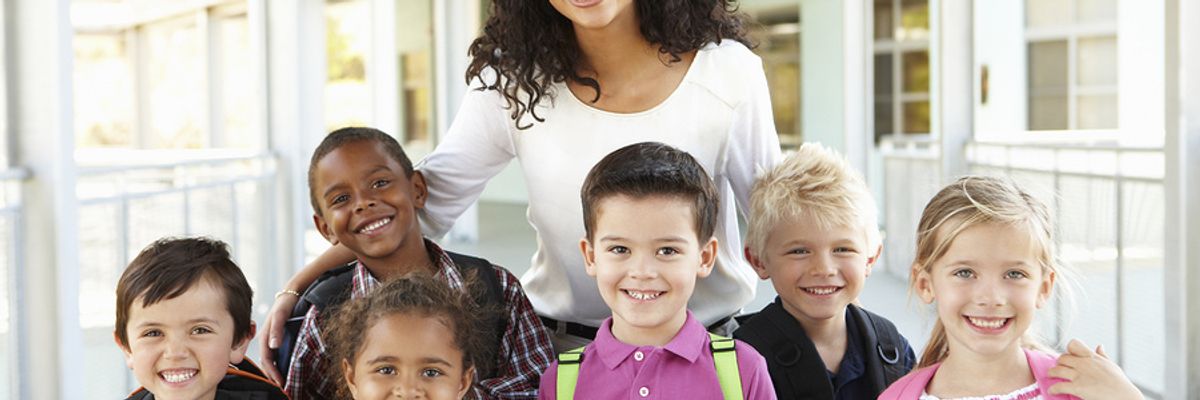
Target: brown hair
<point x="341" y="137"/>
<point x="971" y="201"/>
<point x="169" y="267"/>
<point x="418" y="294"/>
<point x="651" y="169"/>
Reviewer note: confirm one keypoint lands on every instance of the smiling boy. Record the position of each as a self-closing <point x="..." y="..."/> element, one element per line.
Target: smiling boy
<point x="649" y="216"/>
<point x="183" y="322"/>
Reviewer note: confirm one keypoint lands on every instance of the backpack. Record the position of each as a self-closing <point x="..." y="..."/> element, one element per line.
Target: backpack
<point x="333" y="288"/>
<point x="724" y="358"/>
<point x="792" y="364"/>
<point x="242" y="381"/>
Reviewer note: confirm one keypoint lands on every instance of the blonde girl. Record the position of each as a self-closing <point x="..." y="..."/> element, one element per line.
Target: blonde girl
<point x="414" y="337"/>
<point x="986" y="260"/>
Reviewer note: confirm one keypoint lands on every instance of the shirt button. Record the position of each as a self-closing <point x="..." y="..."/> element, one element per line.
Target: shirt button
<point x="644" y="391"/>
<point x="638" y="355"/>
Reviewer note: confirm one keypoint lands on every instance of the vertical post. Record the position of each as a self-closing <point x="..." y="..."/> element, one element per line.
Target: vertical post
<point x="455" y="24"/>
<point x="383" y="67"/>
<point x="296" y="71"/>
<point x="38" y="56"/>
<point x="1182" y="188"/>
<point x="955" y="71"/>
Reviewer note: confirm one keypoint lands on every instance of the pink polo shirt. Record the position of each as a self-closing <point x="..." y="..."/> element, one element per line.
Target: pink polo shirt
<point x="683" y="369"/>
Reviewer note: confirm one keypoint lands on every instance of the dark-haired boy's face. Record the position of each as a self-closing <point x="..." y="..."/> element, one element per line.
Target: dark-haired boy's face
<point x="367" y="201"/>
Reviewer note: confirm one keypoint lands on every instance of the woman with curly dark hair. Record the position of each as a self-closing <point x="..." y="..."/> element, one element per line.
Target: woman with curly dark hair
<point x="558" y="85"/>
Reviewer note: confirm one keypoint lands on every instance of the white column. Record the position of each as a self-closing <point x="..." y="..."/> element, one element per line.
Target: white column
<point x="296" y="71"/>
<point x="455" y="26"/>
<point x="954" y="76"/>
<point x="1182" y="148"/>
<point x="39" y="67"/>
<point x="821" y="54"/>
<point x="383" y="68"/>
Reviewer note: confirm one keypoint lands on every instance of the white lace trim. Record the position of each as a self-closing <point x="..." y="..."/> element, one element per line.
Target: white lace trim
<point x="1016" y="394"/>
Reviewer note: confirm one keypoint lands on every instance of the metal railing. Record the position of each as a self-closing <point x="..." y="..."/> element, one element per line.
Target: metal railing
<point x="122" y="208"/>
<point x="11" y="259"/>
<point x="1108" y="205"/>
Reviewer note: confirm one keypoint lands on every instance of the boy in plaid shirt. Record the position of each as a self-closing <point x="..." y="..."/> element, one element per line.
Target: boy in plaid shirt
<point x="365" y="195"/>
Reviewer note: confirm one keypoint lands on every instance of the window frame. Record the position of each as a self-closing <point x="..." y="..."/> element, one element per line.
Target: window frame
<point x="1072" y="32"/>
<point x="896" y="48"/>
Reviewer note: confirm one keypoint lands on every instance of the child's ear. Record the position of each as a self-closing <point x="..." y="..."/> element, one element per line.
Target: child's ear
<point x="419" y="190"/>
<point x="348" y="375"/>
<point x="708" y="257"/>
<point x="589" y="256"/>
<point x="324" y="229"/>
<point x="467" y="378"/>
<point x="238" y="353"/>
<point x="1046" y="289"/>
<point x="924" y="284"/>
<point x="124" y="349"/>
<point x="874" y="259"/>
<point x="759" y="267"/>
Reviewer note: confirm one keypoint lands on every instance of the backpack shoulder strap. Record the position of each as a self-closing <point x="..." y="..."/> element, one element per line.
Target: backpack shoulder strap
<point x="568" y="373"/>
<point x="885" y="339"/>
<point x="331" y="288"/>
<point x="492" y="294"/>
<point x="725" y="357"/>
<point x="484" y="272"/>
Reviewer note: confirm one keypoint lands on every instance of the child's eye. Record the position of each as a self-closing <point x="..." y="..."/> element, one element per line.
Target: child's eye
<point x="798" y="250"/>
<point x="386" y="370"/>
<point x="844" y="250"/>
<point x="380" y="183"/>
<point x="1015" y="274"/>
<point x="618" y="250"/>
<point x="152" y="333"/>
<point x="200" y="330"/>
<point x="340" y="199"/>
<point x="668" y="251"/>
<point x="431" y="373"/>
<point x="964" y="273"/>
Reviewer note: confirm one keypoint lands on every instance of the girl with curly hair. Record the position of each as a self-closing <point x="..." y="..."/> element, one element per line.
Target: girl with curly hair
<point x="557" y="85"/>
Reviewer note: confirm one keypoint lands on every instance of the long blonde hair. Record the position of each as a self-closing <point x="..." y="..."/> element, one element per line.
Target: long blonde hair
<point x="971" y="201"/>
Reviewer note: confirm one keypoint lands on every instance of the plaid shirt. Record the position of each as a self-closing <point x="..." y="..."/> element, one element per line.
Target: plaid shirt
<point x="524" y="350"/>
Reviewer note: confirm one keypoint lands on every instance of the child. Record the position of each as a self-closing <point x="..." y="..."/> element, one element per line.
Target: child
<point x="813" y="232"/>
<point x="365" y="196"/>
<point x="183" y="322"/>
<point x="411" y="338"/>
<point x="649" y="215"/>
<point x="986" y="255"/>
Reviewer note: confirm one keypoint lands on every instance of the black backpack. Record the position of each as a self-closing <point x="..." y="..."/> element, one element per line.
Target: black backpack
<point x="333" y="288"/>
<point x="241" y="382"/>
<point x="793" y="366"/>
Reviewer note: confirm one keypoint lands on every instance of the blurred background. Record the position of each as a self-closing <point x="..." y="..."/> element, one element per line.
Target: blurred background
<point x="127" y="120"/>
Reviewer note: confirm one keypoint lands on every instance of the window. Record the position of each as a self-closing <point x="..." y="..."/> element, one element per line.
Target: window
<point x="175" y="100"/>
<point x="235" y="83"/>
<point x="347" y="41"/>
<point x="901" y="67"/>
<point x="778" y="37"/>
<point x="104" y="91"/>
<point x="1072" y="64"/>
<point x="414" y="47"/>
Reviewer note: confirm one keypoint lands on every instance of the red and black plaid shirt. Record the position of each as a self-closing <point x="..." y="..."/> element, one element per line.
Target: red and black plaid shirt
<point x="524" y="352"/>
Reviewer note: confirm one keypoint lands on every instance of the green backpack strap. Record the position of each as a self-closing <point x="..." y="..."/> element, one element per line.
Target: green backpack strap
<point x="725" y="359"/>
<point x="568" y="373"/>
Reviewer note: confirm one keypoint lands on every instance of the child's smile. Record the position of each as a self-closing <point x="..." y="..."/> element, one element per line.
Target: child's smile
<point x="646" y="259"/>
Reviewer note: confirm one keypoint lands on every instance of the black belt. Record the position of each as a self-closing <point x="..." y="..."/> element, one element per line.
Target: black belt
<point x="570" y="328"/>
<point x="589" y="332"/>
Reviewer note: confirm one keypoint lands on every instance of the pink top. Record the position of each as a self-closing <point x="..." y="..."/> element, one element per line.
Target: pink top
<point x="682" y="369"/>
<point x="911" y="386"/>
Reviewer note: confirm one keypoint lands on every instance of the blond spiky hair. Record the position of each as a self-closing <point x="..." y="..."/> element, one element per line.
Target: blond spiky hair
<point x="814" y="181"/>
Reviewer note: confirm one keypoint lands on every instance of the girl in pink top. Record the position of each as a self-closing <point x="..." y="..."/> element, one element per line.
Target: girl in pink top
<point x="987" y="261"/>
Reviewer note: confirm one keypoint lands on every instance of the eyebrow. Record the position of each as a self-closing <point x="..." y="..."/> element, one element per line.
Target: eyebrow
<point x="669" y="239"/>
<point x="393" y="359"/>
<point x="152" y="324"/>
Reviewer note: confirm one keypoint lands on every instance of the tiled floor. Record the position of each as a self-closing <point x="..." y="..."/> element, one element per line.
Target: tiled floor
<point x="506" y="238"/>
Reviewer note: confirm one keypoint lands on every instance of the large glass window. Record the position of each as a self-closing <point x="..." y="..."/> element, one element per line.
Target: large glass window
<point x="174" y="72"/>
<point x="414" y="47"/>
<point x="778" y="38"/>
<point x="105" y="113"/>
<point x="235" y="83"/>
<point x="1072" y="64"/>
<point x="347" y="41"/>
<point x="901" y="67"/>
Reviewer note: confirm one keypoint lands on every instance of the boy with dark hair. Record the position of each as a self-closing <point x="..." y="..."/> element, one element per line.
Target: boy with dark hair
<point x="183" y="322"/>
<point x="649" y="215"/>
<point x="813" y="231"/>
<point x="365" y="196"/>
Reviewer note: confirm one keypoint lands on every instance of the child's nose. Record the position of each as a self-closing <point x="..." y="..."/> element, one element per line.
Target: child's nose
<point x="407" y="389"/>
<point x="990" y="294"/>
<point x="365" y="203"/>
<point x="175" y="349"/>
<point x="823" y="265"/>
<point x="643" y="268"/>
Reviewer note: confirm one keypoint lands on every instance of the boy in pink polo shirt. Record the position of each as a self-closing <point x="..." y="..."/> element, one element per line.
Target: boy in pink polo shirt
<point x="649" y="214"/>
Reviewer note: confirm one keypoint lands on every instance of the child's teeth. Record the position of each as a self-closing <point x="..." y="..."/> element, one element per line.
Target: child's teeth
<point x="821" y="291"/>
<point x="376" y="225"/>
<point x="987" y="323"/>
<point x="178" y="376"/>
<point x="643" y="295"/>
